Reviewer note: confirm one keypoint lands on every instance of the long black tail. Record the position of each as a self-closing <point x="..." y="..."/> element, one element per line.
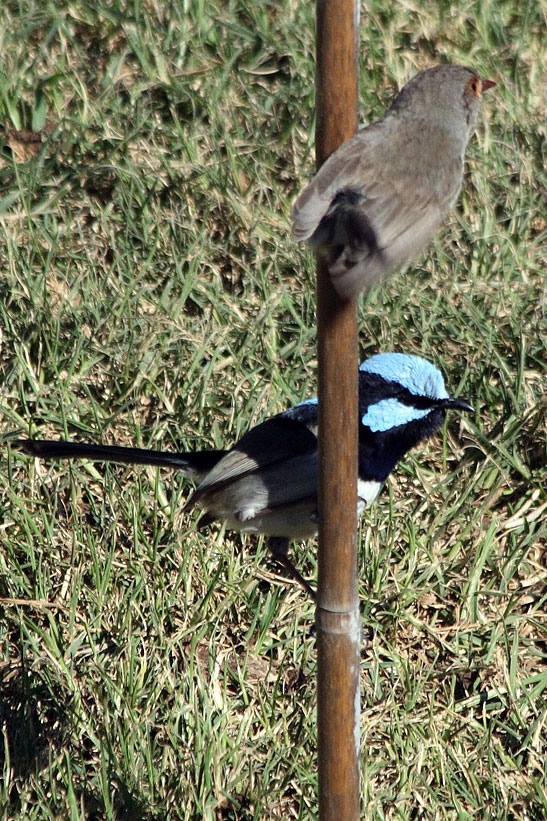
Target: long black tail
<point x="195" y="464"/>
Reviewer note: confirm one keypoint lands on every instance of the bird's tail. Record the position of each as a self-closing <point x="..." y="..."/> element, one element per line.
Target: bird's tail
<point x="194" y="464"/>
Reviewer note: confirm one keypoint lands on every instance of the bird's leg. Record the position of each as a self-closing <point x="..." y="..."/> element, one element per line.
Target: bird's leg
<point x="279" y="547"/>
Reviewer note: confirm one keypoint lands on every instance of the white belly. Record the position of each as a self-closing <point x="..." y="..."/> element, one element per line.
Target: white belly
<point x="246" y="506"/>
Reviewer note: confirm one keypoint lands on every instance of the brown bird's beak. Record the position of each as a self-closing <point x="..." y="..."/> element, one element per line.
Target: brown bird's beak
<point x="486" y="84"/>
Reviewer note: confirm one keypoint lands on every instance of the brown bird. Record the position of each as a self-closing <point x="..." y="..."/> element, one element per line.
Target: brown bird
<point x="378" y="199"/>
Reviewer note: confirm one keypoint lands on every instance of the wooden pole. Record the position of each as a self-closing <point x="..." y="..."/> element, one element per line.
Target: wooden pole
<point x="338" y="619"/>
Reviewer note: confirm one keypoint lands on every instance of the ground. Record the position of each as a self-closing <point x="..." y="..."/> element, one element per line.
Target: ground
<point x="150" y="293"/>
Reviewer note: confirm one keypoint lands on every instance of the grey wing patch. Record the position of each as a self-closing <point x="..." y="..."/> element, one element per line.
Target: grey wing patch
<point x="278" y="439"/>
<point x="286" y="484"/>
<point x="277" y="500"/>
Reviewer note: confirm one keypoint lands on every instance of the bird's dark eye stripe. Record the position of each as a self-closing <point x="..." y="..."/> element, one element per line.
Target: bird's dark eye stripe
<point x="396" y="390"/>
<point x="418" y="402"/>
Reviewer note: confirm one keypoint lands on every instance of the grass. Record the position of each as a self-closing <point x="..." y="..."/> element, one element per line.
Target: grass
<point x="150" y="293"/>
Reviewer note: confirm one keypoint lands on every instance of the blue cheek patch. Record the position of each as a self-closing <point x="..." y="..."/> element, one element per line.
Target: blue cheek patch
<point x="390" y="413"/>
<point x="306" y="402"/>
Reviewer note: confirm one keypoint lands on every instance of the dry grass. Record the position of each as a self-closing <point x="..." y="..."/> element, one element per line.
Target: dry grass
<point x="150" y="293"/>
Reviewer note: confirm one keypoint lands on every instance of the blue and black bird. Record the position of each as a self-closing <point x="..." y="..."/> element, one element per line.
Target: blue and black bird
<point x="267" y="482"/>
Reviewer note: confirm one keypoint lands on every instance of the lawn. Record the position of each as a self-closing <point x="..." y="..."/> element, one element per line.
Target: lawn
<point x="151" y="294"/>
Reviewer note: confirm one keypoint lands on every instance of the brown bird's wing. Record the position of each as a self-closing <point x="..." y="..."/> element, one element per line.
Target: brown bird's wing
<point x="369" y="211"/>
<point x="394" y="190"/>
<point x="342" y="170"/>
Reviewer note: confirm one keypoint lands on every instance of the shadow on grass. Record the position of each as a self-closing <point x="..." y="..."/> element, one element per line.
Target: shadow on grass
<point x="38" y="736"/>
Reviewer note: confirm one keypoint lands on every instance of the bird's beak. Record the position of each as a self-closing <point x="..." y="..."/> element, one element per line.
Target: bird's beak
<point x="457" y="404"/>
<point x="486" y="84"/>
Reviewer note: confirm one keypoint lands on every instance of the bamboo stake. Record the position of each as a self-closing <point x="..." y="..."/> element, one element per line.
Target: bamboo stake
<point x="338" y="619"/>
